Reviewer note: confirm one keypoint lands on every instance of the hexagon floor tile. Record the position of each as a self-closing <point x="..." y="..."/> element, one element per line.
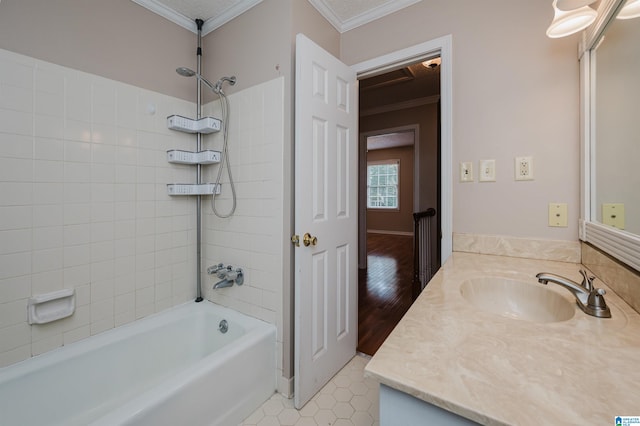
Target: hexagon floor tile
<point x="347" y="400"/>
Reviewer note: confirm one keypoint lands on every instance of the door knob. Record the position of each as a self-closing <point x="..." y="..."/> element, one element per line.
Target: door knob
<point x="308" y="239"/>
<point x="295" y="239"/>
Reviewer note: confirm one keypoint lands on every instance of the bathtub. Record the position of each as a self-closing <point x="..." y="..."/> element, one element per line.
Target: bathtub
<point x="172" y="368"/>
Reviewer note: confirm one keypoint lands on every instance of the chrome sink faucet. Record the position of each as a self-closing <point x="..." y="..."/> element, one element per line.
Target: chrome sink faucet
<point x="588" y="298"/>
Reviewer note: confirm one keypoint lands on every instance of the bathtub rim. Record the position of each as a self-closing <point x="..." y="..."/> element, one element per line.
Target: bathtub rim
<point x="121" y="332"/>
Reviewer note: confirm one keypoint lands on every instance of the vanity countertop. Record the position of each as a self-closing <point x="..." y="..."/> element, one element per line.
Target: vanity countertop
<point x="502" y="371"/>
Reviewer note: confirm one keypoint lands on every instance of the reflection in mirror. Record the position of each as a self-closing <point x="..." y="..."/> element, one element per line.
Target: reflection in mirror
<point x="617" y="127"/>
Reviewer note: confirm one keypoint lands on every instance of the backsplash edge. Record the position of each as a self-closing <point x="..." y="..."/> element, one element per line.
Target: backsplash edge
<point x="504" y="245"/>
<point x="623" y="280"/>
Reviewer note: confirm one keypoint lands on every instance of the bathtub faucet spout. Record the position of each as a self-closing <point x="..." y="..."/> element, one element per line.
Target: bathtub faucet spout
<point x="223" y="283"/>
<point x="228" y="276"/>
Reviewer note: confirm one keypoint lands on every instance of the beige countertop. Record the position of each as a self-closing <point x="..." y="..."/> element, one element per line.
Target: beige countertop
<point x="502" y="371"/>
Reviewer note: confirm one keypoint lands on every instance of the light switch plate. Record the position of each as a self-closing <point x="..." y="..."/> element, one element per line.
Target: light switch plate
<point x="487" y="171"/>
<point x="613" y="215"/>
<point x="558" y="215"/>
<point x="466" y="171"/>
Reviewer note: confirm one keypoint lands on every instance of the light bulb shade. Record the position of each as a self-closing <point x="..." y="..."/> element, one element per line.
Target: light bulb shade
<point x="630" y="10"/>
<point x="567" y="5"/>
<point x="567" y="23"/>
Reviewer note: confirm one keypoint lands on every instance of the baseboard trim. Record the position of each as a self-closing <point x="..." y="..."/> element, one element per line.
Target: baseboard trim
<point x="285" y="387"/>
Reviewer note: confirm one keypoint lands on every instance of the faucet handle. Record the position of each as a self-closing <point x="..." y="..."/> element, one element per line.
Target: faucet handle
<point x="587" y="280"/>
<point x="240" y="276"/>
<point x="214" y="268"/>
<point x="597" y="304"/>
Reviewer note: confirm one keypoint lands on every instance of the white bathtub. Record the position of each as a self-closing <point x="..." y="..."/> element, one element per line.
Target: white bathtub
<point x="172" y="368"/>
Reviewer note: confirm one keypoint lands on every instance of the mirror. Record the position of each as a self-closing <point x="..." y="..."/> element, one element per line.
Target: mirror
<point x="610" y="71"/>
<point x="617" y="126"/>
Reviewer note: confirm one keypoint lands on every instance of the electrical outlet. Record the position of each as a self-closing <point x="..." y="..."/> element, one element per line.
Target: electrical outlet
<point x="524" y="168"/>
<point x="487" y="171"/>
<point x="466" y="171"/>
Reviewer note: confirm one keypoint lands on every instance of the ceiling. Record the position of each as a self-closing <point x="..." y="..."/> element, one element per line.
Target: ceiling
<point x="344" y="15"/>
<point x="408" y="86"/>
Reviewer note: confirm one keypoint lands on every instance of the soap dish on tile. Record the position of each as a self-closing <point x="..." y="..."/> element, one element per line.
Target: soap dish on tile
<point x="45" y="308"/>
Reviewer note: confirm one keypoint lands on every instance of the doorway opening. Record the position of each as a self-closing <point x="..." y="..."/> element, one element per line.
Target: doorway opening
<point x="400" y="174"/>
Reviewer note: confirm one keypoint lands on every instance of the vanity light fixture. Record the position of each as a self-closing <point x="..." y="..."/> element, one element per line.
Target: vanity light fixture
<point x="571" y="21"/>
<point x="630" y="10"/>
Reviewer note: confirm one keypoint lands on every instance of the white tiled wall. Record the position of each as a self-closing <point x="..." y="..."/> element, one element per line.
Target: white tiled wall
<point x="83" y="203"/>
<point x="253" y="237"/>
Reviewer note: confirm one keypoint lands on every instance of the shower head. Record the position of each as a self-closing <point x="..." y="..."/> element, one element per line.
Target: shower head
<point x="185" y="72"/>
<point x="218" y="86"/>
<point x="188" y="72"/>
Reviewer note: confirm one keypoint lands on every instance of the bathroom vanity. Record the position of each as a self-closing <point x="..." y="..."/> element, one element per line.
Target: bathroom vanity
<point x="487" y="343"/>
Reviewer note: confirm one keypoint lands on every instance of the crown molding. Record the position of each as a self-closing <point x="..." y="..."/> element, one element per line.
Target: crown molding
<point x="185" y="22"/>
<point x="239" y="7"/>
<point x="376" y="13"/>
<point x="229" y="14"/>
<point x="361" y="19"/>
<point x="328" y="14"/>
<point x="168" y="13"/>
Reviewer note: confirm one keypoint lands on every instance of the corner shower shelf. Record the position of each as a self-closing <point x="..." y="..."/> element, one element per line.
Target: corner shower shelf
<point x="178" y="156"/>
<point x="203" y="125"/>
<point x="192" y="189"/>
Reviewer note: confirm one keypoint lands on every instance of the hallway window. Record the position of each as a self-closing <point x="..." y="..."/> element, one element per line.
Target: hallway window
<point x="383" y="178"/>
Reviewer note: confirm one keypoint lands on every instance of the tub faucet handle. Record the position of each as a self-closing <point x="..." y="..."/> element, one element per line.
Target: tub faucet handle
<point x="239" y="276"/>
<point x="214" y="268"/>
<point x="223" y="271"/>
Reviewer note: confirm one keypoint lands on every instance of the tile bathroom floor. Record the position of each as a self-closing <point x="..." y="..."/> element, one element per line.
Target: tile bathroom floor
<point x="347" y="400"/>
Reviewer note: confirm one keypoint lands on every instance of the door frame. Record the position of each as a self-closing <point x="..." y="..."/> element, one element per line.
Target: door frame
<point x="362" y="181"/>
<point x="410" y="55"/>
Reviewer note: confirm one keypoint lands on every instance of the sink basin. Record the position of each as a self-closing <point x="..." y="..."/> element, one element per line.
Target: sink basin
<point x="517" y="299"/>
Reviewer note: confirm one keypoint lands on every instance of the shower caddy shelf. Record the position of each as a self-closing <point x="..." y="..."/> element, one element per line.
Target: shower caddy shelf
<point x="204" y="125"/>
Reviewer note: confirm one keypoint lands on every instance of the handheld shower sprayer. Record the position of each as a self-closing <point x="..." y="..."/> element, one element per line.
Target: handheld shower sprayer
<point x="215" y="88"/>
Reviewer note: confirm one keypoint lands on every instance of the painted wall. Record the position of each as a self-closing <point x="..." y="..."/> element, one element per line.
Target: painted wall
<point x="515" y="93"/>
<point x="117" y="39"/>
<point x="400" y="220"/>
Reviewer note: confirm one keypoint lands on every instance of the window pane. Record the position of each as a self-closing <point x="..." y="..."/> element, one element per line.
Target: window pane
<point x="382" y="188"/>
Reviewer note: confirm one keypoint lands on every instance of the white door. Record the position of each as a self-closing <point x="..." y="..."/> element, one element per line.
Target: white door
<point x="326" y="194"/>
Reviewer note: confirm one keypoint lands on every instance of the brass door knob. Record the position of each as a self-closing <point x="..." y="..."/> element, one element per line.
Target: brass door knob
<point x="295" y="239"/>
<point x="308" y="239"/>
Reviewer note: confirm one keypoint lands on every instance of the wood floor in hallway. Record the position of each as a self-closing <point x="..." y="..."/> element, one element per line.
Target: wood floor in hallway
<point x="384" y="288"/>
